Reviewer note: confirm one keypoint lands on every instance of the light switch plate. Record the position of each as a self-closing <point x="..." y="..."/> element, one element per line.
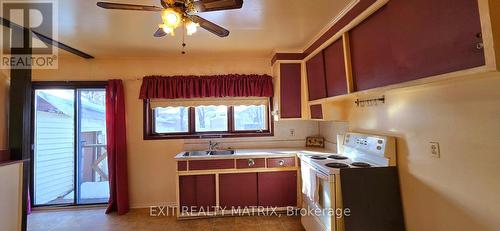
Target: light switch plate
<point x="434" y="149"/>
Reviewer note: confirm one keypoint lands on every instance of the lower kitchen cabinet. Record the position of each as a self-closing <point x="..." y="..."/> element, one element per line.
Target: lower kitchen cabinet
<point x="277" y="188"/>
<point x="197" y="191"/>
<point x="238" y="189"/>
<point x="269" y="189"/>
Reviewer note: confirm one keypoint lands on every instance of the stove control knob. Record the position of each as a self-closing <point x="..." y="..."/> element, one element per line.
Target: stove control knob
<point x="251" y="162"/>
<point x="380" y="141"/>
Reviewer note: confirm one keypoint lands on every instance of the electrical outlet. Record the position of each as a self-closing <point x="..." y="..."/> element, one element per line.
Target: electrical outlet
<point x="435" y="152"/>
<point x="292" y="132"/>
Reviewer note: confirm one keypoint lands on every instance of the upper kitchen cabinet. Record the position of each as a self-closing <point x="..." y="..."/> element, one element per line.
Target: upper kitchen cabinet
<point x="316" y="82"/>
<point x="335" y="71"/>
<point x="290" y="91"/>
<point x="412" y="39"/>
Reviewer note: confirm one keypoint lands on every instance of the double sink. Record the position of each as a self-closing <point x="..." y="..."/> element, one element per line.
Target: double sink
<point x="210" y="153"/>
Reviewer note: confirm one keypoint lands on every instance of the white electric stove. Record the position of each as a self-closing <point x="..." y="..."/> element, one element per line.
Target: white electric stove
<point x="355" y="150"/>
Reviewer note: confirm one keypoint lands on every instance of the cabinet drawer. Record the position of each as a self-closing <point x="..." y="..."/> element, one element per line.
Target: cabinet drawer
<point x="281" y="162"/>
<point x="181" y="165"/>
<point x="210" y="164"/>
<point x="251" y="163"/>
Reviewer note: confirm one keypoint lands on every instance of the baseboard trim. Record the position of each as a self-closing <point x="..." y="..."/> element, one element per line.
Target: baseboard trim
<point x="148" y="205"/>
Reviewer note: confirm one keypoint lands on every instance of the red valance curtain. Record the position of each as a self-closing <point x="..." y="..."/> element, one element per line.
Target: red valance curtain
<point x="116" y="148"/>
<point x="185" y="87"/>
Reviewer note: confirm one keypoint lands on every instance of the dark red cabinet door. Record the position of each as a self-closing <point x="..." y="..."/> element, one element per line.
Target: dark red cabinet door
<point x="317" y="111"/>
<point x="412" y="39"/>
<point x="187" y="191"/>
<point x="277" y="188"/>
<point x="197" y="191"/>
<point x="205" y="191"/>
<point x="290" y="90"/>
<point x="238" y="189"/>
<point x="316" y="77"/>
<point x="336" y="82"/>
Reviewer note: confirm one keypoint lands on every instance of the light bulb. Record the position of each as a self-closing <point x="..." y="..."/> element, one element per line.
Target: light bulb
<point x="191" y="28"/>
<point x="171" y="18"/>
<point x="167" y="29"/>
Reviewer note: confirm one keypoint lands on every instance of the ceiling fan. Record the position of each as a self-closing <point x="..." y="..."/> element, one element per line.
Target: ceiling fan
<point x="177" y="12"/>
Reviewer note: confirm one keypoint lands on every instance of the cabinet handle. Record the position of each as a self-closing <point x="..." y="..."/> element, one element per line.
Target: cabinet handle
<point x="479" y="44"/>
<point x="251" y="162"/>
<point x="282" y="163"/>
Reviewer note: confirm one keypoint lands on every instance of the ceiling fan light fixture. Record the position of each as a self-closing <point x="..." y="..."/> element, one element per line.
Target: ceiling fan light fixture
<point x="171" y="18"/>
<point x="191" y="27"/>
<point x="167" y="29"/>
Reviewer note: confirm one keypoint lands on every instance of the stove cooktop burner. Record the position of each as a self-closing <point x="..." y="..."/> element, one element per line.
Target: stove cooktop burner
<point x="318" y="157"/>
<point x="337" y="165"/>
<point x="360" y="164"/>
<point x="338" y="157"/>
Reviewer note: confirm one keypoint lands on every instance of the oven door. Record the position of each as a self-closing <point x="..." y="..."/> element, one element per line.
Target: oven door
<point x="316" y="215"/>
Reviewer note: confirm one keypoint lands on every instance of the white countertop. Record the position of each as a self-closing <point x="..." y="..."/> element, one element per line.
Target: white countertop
<point x="256" y="153"/>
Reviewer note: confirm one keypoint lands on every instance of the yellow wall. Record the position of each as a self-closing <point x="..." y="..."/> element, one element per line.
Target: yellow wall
<point x="460" y="190"/>
<point x="4" y="106"/>
<point x="151" y="164"/>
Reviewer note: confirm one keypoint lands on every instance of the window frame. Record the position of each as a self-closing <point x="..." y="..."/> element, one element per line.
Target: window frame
<point x="149" y="123"/>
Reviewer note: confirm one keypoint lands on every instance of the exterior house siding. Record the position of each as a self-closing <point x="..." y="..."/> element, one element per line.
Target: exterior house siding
<point x="54" y="156"/>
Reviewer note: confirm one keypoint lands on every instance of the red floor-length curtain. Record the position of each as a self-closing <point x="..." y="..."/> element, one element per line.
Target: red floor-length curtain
<point x="117" y="148"/>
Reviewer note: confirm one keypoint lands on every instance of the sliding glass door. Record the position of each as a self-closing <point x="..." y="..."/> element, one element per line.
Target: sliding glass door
<point x="92" y="180"/>
<point x="69" y="148"/>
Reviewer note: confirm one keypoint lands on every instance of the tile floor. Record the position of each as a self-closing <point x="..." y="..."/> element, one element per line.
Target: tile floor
<point x="139" y="220"/>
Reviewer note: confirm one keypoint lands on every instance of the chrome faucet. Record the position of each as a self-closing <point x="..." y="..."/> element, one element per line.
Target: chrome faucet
<point x="212" y="146"/>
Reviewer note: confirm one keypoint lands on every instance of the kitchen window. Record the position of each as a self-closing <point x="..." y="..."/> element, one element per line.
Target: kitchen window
<point x="211" y="118"/>
<point x="171" y="119"/>
<point x="207" y="119"/>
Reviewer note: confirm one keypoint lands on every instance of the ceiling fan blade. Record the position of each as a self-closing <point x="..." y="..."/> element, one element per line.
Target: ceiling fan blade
<point x="119" y="6"/>
<point x="170" y="3"/>
<point x="159" y="33"/>
<point x="210" y="26"/>
<point x="214" y="5"/>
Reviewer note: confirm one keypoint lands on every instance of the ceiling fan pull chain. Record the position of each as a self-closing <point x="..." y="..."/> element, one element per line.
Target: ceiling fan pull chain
<point x="183" y="40"/>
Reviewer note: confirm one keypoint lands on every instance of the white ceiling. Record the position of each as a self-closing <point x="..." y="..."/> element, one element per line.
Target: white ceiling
<point x="257" y="29"/>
